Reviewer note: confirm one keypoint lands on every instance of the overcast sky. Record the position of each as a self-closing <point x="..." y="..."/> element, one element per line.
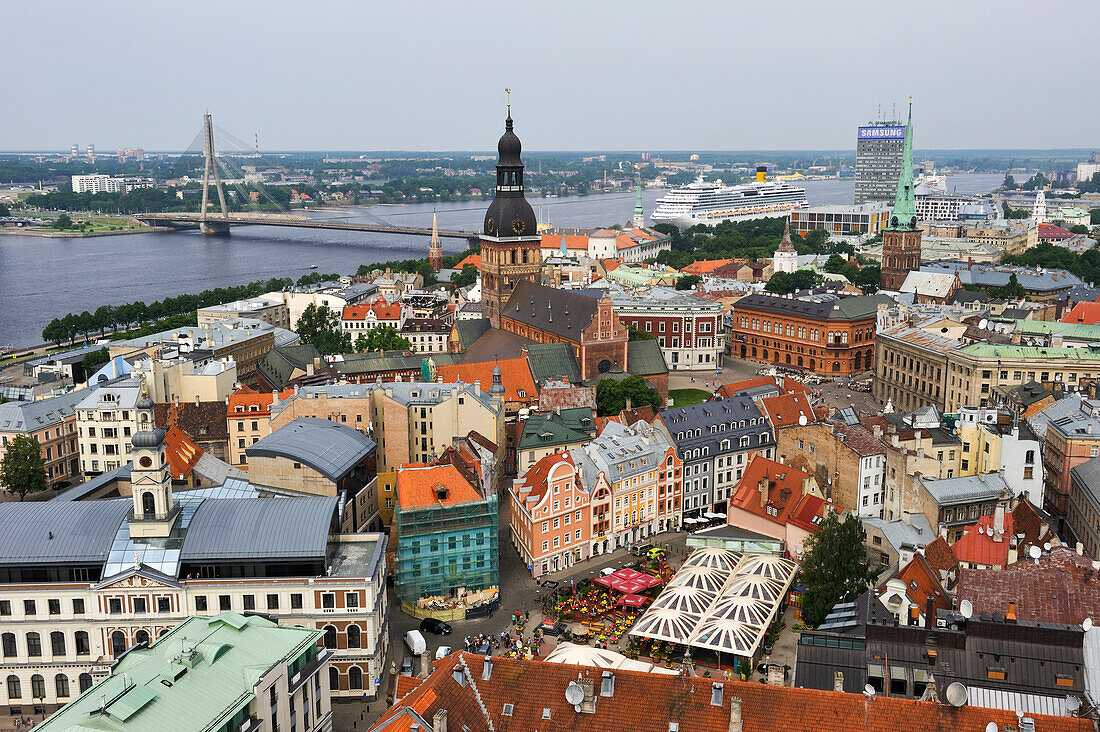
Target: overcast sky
<point x="590" y="75"/>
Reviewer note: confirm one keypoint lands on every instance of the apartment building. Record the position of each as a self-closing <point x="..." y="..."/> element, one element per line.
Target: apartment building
<point x="248" y="416"/>
<point x="715" y="441"/>
<point x="106" y="421"/>
<point x="1071" y="439"/>
<point x="550" y="517"/>
<point x="362" y="318"/>
<point x="269" y="310"/>
<point x="633" y="476"/>
<point x="687" y="328"/>
<point x="53" y="423"/>
<point x="427" y="335"/>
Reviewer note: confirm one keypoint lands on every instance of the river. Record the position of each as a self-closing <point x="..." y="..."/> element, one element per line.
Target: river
<point x="42" y="278"/>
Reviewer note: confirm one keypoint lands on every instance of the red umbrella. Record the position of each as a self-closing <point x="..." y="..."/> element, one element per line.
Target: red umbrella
<point x="633" y="600"/>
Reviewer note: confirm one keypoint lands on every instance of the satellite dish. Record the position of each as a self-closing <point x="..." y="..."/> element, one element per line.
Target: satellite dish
<point x="957" y="694"/>
<point x="1046" y="547"/>
<point x="802" y="420"/>
<point x="1087" y="624"/>
<point x="869" y="691"/>
<point x="992" y="727"/>
<point x="983" y="324"/>
<point x="966" y="608"/>
<point x="1035" y="552"/>
<point x="1072" y="704"/>
<point x="574" y="694"/>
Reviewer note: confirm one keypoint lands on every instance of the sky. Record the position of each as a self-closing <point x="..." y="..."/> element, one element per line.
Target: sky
<point x="593" y="75"/>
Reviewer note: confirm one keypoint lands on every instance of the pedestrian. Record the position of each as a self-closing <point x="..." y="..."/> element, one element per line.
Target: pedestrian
<point x="527" y="615"/>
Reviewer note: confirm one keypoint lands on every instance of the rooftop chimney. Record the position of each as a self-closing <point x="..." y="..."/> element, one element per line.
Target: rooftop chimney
<point x="735" y="715"/>
<point x="930" y="613"/>
<point x="838" y="681"/>
<point x="999" y="522"/>
<point x="425" y="664"/>
<point x="762" y="486"/>
<point x="439" y="721"/>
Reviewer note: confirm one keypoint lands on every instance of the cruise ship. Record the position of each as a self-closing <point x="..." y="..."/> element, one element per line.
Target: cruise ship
<point x="712" y="203"/>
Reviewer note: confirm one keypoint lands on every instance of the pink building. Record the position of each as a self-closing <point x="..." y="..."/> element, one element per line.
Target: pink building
<point x="779" y="501"/>
<point x="550" y="516"/>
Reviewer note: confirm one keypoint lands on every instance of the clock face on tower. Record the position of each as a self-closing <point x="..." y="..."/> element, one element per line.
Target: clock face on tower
<point x="490" y="226"/>
<point x="519" y="226"/>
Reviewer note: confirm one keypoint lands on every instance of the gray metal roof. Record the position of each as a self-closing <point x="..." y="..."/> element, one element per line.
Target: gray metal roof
<point x="965" y="489"/>
<point x="917" y="533"/>
<point x="1086" y="477"/>
<point x="32" y="416"/>
<point x="715" y="422"/>
<point x="59" y="532"/>
<point x="270" y="528"/>
<point x="329" y="448"/>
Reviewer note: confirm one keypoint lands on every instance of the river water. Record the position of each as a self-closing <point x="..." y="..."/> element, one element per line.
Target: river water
<point x="41" y="279"/>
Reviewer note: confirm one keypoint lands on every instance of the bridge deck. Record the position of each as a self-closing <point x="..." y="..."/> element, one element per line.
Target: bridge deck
<point x="302" y="222"/>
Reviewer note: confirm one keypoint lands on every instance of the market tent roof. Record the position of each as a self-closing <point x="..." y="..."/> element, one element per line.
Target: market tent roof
<point x="713" y="558"/>
<point x="633" y="600"/>
<point x="726" y="634"/>
<point x="685" y="599"/>
<point x="701" y="578"/>
<point x="579" y="655"/>
<point x="667" y="624"/>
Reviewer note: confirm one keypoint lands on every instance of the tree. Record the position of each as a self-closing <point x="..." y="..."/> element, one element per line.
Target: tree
<point x="784" y="283"/>
<point x="637" y="334"/>
<point x="92" y="361"/>
<point x="64" y="221"/>
<point x="382" y="338"/>
<point x="611" y="395"/>
<point x="320" y="326"/>
<point x="4" y="210"/>
<point x="1009" y="184"/>
<point x="466" y="277"/>
<point x="835" y="566"/>
<point x="1015" y="213"/>
<point x="688" y="281"/>
<point x="1013" y="290"/>
<point x="23" y="470"/>
<point x="835" y="264"/>
<point x="1079" y="229"/>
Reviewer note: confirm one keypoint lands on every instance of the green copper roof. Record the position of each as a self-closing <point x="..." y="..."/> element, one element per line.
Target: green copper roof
<point x="1073" y="331"/>
<point x="195" y="677"/>
<point x="904" y="217"/>
<point x="638" y="209"/>
<point x="564" y="427"/>
<point x="1062" y="353"/>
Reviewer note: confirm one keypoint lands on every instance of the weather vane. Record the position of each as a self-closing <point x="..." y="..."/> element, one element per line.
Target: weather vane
<point x="509" y="93"/>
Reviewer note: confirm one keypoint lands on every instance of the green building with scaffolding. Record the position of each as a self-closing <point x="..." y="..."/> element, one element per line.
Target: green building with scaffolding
<point x="447" y="533"/>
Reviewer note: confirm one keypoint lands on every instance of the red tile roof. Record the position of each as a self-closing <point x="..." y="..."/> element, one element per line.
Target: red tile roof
<point x="537" y="475"/>
<point x="182" y="453"/>
<point x="790" y="386"/>
<point x="609" y="265"/>
<point x="1026" y="520"/>
<point x="1062" y="588"/>
<point x="650" y="702"/>
<point x="418" y="487"/>
<point x="515" y="375"/>
<point x="922" y="582"/>
<point x="787" y="410"/>
<point x="1050" y="231"/>
<point x="474" y="259"/>
<point x="1087" y="313"/>
<point x="573" y="242"/>
<point x="245" y="397"/>
<point x="785" y="491"/>
<point x="705" y="266"/>
<point x="977" y="546"/>
<point x="382" y="310"/>
<point x="941" y="558"/>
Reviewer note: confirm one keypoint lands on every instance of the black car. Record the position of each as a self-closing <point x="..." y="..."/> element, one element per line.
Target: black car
<point x="431" y="625"/>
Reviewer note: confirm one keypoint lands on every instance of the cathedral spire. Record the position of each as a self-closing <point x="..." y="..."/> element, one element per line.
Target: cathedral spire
<point x="435" y="249"/>
<point x="786" y="245"/>
<point x="904" y="216"/>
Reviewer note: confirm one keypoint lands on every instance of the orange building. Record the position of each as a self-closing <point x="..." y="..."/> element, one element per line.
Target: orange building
<point x="832" y="338"/>
<point x="248" y="417"/>
<point x="550" y="516"/>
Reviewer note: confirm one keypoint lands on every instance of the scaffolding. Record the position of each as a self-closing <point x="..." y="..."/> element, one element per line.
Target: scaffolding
<point x="446" y="547"/>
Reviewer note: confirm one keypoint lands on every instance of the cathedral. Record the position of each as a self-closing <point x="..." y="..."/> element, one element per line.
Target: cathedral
<point x="510" y="242"/>
<point x="902" y="239"/>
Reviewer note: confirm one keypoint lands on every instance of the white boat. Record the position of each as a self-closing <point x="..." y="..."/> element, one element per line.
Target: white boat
<point x="712" y="203"/>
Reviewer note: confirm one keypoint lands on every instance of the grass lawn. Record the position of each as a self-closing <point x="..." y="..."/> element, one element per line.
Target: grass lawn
<point x="684" y="397"/>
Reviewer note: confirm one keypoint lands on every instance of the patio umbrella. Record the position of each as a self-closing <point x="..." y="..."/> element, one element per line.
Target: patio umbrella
<point x="605" y="581"/>
<point x="632" y="600"/>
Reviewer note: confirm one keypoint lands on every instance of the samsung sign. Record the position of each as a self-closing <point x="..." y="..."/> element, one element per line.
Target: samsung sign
<point x="882" y="133"/>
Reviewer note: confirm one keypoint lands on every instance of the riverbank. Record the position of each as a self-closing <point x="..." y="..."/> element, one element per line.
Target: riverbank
<point x="54" y="234"/>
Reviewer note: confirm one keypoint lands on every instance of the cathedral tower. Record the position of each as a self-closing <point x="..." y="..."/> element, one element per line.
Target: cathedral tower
<point x="154" y="512"/>
<point x="435" y="249"/>
<point x="510" y="242"/>
<point x="901" y="240"/>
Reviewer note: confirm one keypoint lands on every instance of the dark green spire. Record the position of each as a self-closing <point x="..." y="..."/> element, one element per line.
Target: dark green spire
<point x="904" y="216"/>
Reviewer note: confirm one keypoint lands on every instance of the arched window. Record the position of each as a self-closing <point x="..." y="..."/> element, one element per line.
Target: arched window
<point x="14" y="691"/>
<point x="330" y="636"/>
<point x="141" y="636"/>
<point x="9" y="645"/>
<point x="34" y="644"/>
<point x="85" y="682"/>
<point x="355" y="678"/>
<point x="61" y="685"/>
<point x="333" y="678"/>
<point x="83" y="647"/>
<point x="38" y="687"/>
<point x="57" y="643"/>
<point x="353" y="637"/>
<point x="148" y="505"/>
<point x="118" y="643"/>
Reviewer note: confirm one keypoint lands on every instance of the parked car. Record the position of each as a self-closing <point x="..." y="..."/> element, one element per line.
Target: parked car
<point x="641" y="550"/>
<point x="607" y="570"/>
<point x="414" y="639"/>
<point x="442" y="652"/>
<point x="432" y="625"/>
<point x="407" y="666"/>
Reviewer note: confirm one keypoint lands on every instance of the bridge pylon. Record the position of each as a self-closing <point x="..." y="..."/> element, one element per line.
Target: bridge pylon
<point x="208" y="225"/>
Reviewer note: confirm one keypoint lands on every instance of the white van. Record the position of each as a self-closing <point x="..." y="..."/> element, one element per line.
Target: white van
<point x="414" y="639"/>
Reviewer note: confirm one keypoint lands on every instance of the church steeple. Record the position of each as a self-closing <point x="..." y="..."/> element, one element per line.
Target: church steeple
<point x="435" y="249"/>
<point x="639" y="211"/>
<point x="154" y="511"/>
<point x="904" y="216"/>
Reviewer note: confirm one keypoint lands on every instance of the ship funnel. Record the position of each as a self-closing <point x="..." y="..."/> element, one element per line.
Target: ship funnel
<point x="761" y="173"/>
